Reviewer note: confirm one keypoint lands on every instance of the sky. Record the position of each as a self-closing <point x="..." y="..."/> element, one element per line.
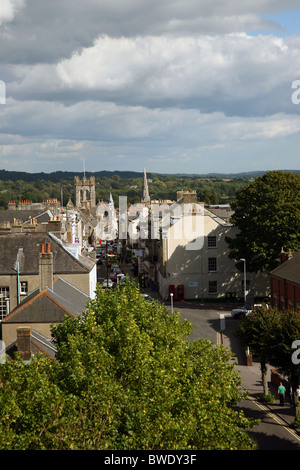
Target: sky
<point x="172" y="86"/>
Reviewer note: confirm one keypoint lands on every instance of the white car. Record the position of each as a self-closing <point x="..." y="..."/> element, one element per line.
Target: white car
<point x="107" y="283"/>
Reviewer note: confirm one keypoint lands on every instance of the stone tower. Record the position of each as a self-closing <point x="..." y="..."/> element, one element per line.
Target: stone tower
<point x="85" y="192"/>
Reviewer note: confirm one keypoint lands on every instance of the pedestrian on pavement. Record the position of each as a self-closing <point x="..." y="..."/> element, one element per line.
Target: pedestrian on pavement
<point x="281" y="393"/>
<point x="298" y="392"/>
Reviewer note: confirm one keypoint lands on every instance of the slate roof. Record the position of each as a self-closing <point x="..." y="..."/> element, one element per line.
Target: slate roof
<point x="71" y="298"/>
<point x="289" y="270"/>
<point x="24" y="215"/>
<point x="39" y="343"/>
<point x="49" y="306"/>
<point x="25" y="248"/>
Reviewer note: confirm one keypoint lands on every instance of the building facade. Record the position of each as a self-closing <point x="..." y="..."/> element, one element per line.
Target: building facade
<point x="20" y="267"/>
<point x="285" y="283"/>
<point x="192" y="255"/>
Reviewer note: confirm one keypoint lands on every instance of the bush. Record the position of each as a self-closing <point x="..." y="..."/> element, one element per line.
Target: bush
<point x="269" y="398"/>
<point x="296" y="423"/>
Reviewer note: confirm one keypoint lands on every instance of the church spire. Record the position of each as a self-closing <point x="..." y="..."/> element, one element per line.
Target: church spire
<point x="145" y="191"/>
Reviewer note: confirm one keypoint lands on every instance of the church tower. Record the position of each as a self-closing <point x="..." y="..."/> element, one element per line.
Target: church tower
<point x="85" y="192"/>
<point x="145" y="191"/>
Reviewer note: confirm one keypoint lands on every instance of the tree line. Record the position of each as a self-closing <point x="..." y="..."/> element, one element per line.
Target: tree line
<point x="60" y="185"/>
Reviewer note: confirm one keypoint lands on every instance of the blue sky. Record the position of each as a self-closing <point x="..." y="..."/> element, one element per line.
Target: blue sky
<point x="191" y="86"/>
<point x="289" y="22"/>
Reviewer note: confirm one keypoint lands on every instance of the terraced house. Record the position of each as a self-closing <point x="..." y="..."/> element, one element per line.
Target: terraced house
<point x="31" y="261"/>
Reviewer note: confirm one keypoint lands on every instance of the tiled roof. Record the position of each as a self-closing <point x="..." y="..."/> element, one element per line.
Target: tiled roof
<point x="25" y="247"/>
<point x="39" y="344"/>
<point x="50" y="306"/>
<point x="10" y="215"/>
<point x="289" y="270"/>
<point x="71" y="298"/>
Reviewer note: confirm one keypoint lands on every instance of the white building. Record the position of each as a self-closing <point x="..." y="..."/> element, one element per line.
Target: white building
<point x="192" y="252"/>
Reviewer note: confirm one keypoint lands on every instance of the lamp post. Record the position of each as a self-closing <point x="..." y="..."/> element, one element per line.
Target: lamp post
<point x="245" y="280"/>
<point x="171" y="297"/>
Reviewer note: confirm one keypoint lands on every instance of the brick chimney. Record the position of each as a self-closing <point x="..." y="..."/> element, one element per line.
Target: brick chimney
<point x="46" y="267"/>
<point x="12" y="205"/>
<point x="24" y="342"/>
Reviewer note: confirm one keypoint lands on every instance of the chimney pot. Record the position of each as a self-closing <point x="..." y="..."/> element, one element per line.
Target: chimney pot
<point x="46" y="267"/>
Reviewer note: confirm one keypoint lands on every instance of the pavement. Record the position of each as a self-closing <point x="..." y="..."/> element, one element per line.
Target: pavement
<point x="252" y="382"/>
<point x="250" y="374"/>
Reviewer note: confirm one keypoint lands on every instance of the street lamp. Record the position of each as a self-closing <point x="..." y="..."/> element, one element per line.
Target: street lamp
<point x="171" y="297"/>
<point x="245" y="281"/>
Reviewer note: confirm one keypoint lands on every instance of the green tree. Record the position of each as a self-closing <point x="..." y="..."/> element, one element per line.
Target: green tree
<point x="272" y="336"/>
<point x="281" y="355"/>
<point x="125" y="377"/>
<point x="267" y="214"/>
<point x="258" y="332"/>
<point x="209" y="196"/>
<point x="163" y="392"/>
<point x="32" y="407"/>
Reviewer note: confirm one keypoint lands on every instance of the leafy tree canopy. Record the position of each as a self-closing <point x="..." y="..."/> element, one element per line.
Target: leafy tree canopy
<point x="267" y="215"/>
<point x="271" y="336"/>
<point x="125" y="377"/>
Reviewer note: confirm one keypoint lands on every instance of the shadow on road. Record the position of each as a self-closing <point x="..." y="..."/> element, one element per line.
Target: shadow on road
<point x="229" y="338"/>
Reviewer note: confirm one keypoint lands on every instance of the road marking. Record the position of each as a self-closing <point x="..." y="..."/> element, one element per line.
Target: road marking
<point x="219" y="338"/>
<point x="275" y="417"/>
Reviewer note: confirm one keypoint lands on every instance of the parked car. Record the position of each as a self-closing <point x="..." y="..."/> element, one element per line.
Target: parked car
<point x="146" y="297"/>
<point x="117" y="270"/>
<point x="121" y="278"/>
<point x="240" y="312"/>
<point x="113" y="277"/>
<point x="107" y="283"/>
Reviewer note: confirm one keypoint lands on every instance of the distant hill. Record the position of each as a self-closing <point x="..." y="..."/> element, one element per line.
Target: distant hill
<point x="245" y="174"/>
<point x="62" y="175"/>
<point x="6" y="175"/>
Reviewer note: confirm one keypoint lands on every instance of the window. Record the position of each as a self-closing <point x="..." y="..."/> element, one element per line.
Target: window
<point x="212" y="287"/>
<point x="212" y="264"/>
<point x="4" y="302"/>
<point x="212" y="242"/>
<point x="24" y="287"/>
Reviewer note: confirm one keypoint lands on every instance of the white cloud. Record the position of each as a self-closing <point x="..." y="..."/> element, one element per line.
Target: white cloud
<point x="165" y="82"/>
<point x="213" y="72"/>
<point x="8" y="9"/>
